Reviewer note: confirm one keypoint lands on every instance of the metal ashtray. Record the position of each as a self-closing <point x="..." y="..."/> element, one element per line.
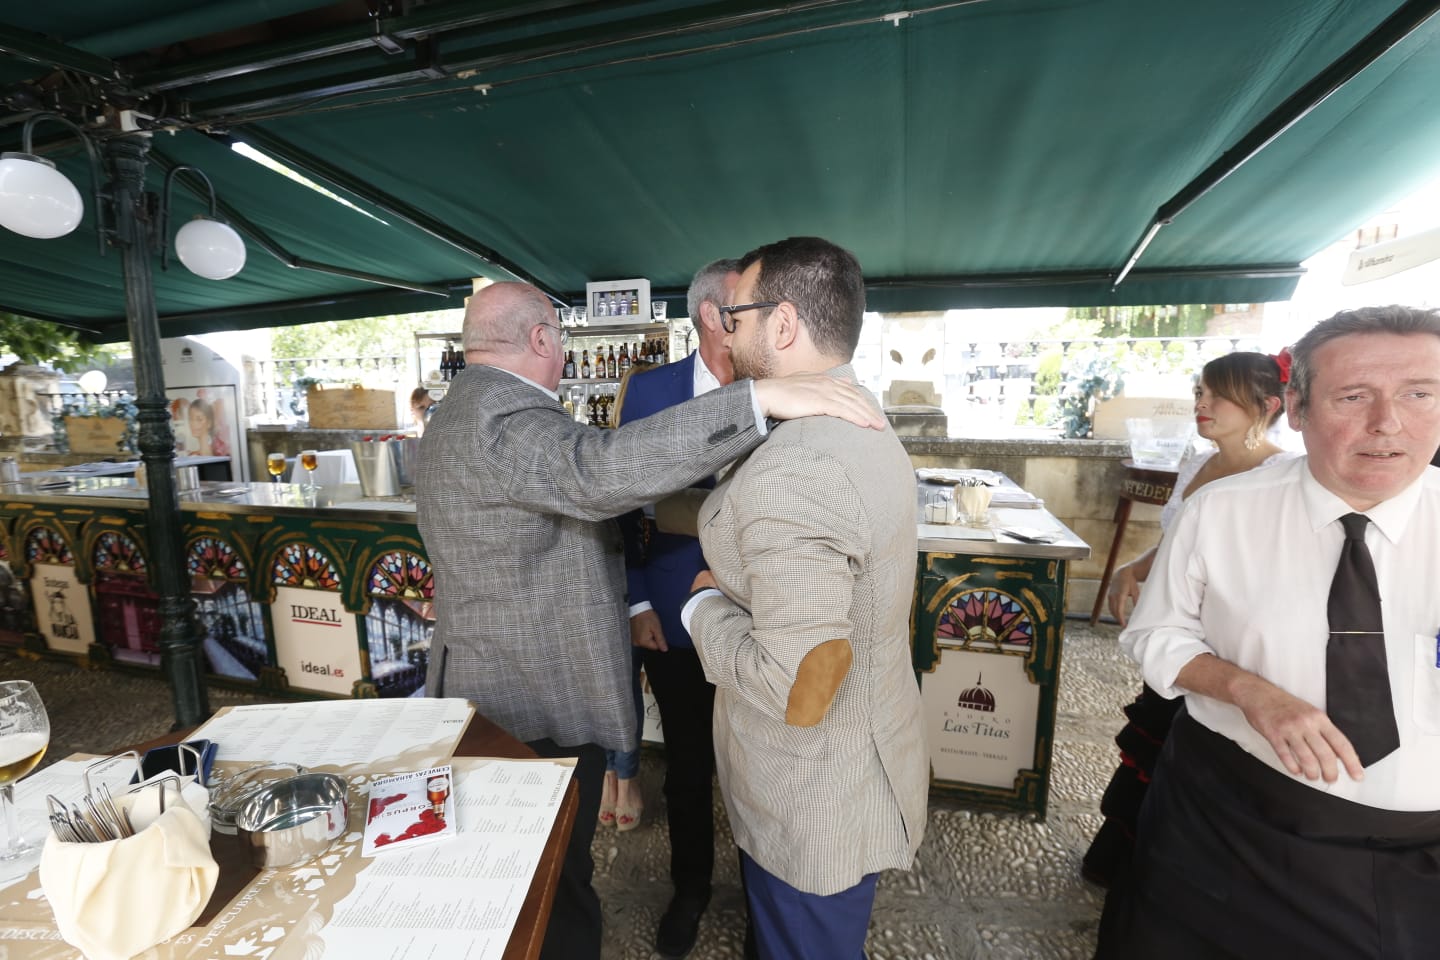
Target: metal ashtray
<point x="294" y="819"/>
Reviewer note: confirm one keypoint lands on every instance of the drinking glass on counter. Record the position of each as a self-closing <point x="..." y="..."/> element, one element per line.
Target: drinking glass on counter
<point x="275" y="463"/>
<point x="309" y="459"/>
<point x="657" y="309"/>
<point x="24" y="737"/>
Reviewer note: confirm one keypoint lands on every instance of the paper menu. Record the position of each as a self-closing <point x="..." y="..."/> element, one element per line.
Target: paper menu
<point x="341" y="735"/>
<point x="408" y="809"/>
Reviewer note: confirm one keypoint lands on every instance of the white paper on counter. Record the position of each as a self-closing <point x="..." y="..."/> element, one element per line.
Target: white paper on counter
<point x="336" y="735"/>
<point x="459" y="898"/>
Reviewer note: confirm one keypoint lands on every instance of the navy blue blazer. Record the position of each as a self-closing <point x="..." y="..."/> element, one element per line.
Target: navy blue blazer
<point x="671" y="561"/>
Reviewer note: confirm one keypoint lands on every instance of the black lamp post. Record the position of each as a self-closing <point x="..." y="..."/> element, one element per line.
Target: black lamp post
<point x="135" y="221"/>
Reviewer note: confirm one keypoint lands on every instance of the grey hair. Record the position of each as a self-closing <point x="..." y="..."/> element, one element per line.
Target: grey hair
<point x="1392" y="319"/>
<point x="708" y="285"/>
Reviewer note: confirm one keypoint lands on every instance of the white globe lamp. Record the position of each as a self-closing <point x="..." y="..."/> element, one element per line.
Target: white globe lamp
<point x="36" y="200"/>
<point x="210" y="249"/>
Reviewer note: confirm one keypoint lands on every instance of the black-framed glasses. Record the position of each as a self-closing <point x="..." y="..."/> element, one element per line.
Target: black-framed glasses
<point x="564" y="334"/>
<point x="727" y="314"/>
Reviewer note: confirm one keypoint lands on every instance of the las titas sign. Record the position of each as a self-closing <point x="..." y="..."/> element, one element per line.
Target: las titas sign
<point x="980" y="713"/>
<point x="315" y="640"/>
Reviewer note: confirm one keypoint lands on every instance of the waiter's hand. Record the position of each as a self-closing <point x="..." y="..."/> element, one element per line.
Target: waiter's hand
<point x="814" y="394"/>
<point x="704" y="580"/>
<point x="645" y="631"/>
<point x="1303" y="737"/>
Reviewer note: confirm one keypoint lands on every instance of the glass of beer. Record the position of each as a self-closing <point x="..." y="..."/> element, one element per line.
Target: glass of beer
<point x="24" y="735"/>
<point x="437" y="789"/>
<point x="275" y="463"/>
<point x="309" y="459"/>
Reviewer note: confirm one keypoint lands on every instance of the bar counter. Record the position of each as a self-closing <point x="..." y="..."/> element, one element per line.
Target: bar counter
<point x="330" y="594"/>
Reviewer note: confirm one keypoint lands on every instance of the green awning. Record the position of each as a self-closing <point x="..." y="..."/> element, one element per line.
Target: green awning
<point x="1000" y="153"/>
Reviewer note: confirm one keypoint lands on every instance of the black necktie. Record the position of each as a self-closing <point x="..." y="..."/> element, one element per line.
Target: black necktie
<point x="1357" y="682"/>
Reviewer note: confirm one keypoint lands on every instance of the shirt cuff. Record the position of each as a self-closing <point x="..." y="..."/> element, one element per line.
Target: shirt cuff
<point x="641" y="607"/>
<point x="760" y="423"/>
<point x="1162" y="667"/>
<point x="688" y="611"/>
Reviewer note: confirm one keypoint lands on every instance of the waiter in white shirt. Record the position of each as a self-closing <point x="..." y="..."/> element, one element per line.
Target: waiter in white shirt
<point x="1296" y="808"/>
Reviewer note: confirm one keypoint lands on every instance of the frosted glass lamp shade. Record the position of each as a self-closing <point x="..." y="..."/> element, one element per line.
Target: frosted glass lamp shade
<point x="36" y="200"/>
<point x="210" y="249"/>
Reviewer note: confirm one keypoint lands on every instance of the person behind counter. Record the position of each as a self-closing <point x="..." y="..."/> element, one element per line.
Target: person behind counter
<point x="422" y="406"/>
<point x="1238" y="399"/>
<point x="514" y="501"/>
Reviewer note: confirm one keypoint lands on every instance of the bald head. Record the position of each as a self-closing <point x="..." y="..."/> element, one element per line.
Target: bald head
<point x="499" y="318"/>
<point x="513" y="326"/>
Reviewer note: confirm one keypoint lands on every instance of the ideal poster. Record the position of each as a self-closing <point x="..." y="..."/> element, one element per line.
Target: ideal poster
<point x="980" y="711"/>
<point x="316" y="641"/>
<point x="62" y="608"/>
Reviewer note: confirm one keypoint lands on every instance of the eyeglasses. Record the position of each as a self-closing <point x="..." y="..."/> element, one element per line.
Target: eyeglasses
<point x="564" y="334"/>
<point x="727" y="314"/>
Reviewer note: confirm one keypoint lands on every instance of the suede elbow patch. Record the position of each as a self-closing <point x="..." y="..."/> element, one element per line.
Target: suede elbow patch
<point x="817" y="681"/>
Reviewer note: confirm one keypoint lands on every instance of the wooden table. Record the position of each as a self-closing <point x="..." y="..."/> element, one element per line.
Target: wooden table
<point x="482" y="739"/>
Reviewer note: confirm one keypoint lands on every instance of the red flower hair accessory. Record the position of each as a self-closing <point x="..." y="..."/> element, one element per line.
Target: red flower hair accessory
<point x="1283" y="360"/>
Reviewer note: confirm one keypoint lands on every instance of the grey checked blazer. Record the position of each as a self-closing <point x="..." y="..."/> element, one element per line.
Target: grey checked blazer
<point x="513" y="501"/>
<point x="812" y="538"/>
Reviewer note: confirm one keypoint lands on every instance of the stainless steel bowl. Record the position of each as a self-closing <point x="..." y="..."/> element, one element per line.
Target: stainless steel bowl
<point x="294" y="819"/>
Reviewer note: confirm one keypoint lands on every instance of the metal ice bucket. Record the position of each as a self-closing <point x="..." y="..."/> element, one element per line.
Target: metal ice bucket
<point x="407" y="449"/>
<point x="376" y="466"/>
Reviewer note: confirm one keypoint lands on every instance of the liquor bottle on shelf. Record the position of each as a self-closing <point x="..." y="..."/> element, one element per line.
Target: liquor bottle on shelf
<point x="459" y="363"/>
<point x="634" y="303"/>
<point x="585" y="363"/>
<point x="569" y="372"/>
<point x="624" y="362"/>
<point x="612" y="368"/>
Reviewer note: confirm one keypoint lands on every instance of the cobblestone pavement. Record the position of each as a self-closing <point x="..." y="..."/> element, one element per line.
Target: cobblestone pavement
<point x="991" y="886"/>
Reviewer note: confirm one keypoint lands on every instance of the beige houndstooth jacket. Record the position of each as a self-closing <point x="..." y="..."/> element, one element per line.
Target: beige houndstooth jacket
<point x="812" y="538"/>
<point x="513" y="500"/>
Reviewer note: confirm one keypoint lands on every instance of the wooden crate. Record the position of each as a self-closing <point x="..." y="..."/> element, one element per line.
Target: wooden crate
<point x="95" y="434"/>
<point x="352" y="408"/>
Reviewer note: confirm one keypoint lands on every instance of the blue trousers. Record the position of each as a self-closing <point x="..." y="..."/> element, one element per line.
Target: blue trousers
<point x="790" y="924"/>
<point x="626" y="764"/>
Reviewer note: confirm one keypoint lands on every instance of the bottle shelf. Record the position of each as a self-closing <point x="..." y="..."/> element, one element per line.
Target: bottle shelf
<point x="580" y="381"/>
<point x="610" y="331"/>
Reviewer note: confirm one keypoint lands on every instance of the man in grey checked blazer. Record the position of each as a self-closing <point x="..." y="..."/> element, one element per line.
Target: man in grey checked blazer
<point x="811" y="542"/>
<point x="514" y="500"/>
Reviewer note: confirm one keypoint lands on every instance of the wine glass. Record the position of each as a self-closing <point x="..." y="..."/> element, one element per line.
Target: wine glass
<point x="24" y="736"/>
<point x="309" y="459"/>
<point x="275" y="463"/>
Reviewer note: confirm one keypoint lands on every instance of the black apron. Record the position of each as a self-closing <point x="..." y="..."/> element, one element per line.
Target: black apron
<point x="1236" y="860"/>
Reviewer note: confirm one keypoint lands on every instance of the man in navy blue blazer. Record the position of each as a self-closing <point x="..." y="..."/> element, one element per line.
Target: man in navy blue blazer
<point x="658" y="589"/>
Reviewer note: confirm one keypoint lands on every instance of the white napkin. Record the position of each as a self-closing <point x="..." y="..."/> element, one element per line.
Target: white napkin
<point x="113" y="900"/>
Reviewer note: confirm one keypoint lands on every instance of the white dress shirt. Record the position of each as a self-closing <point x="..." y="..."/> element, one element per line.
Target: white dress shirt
<point x="1245" y="574"/>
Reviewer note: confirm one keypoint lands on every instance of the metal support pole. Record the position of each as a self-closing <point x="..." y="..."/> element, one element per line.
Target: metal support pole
<point x="179" y="654"/>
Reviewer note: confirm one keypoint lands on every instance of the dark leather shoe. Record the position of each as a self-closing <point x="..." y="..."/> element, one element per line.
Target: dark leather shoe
<point x="680" y="925"/>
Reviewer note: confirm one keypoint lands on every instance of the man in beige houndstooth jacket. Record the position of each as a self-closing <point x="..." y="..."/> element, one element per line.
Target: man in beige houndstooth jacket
<point x="802" y="623"/>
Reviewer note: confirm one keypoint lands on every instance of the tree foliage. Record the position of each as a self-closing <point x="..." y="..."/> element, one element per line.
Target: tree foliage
<point x="370" y="337"/>
<point x="40" y="341"/>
